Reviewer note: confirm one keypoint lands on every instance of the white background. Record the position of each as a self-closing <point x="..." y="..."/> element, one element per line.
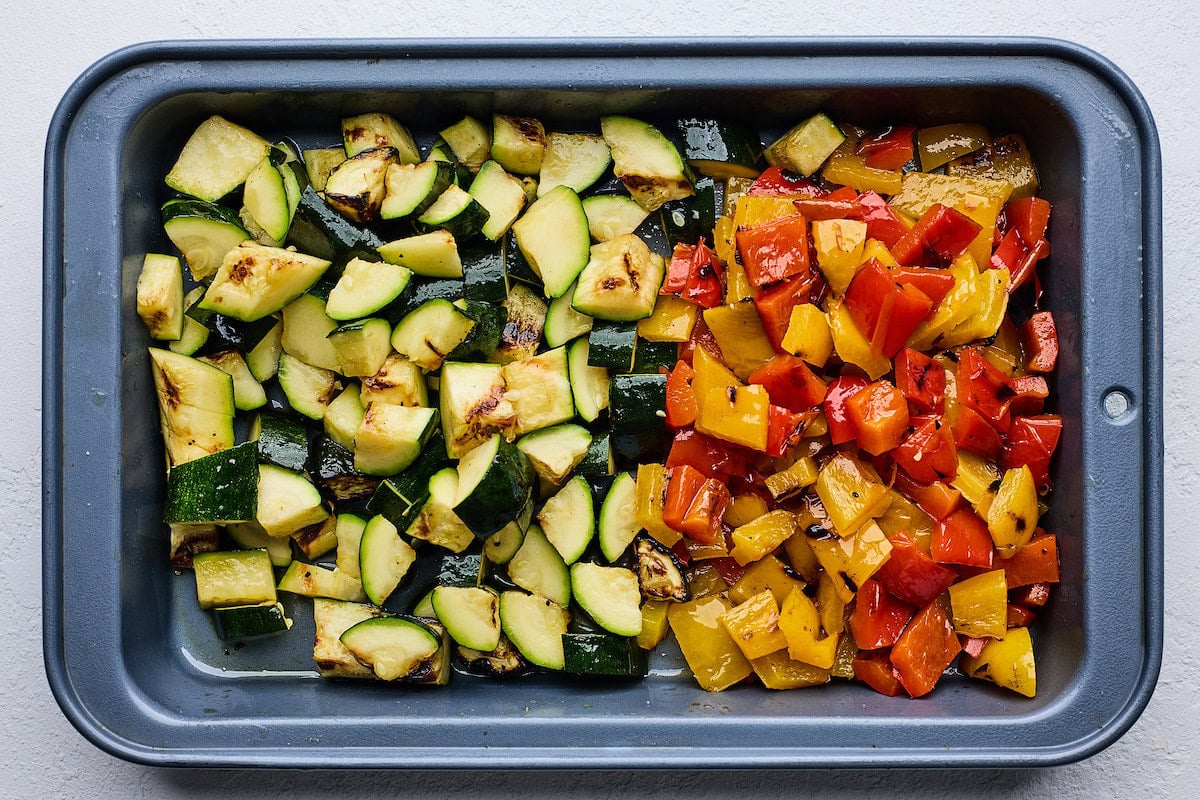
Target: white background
<point x="46" y="45"/>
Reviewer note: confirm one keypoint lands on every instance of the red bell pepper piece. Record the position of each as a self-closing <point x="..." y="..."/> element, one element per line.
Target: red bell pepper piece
<point x="694" y="273"/>
<point x="934" y="282"/>
<point x="841" y="429"/>
<point x="1009" y="253"/>
<point x="684" y="483"/>
<point x="883" y="223"/>
<point x="702" y="521"/>
<point x="712" y="458"/>
<point x="1039" y="337"/>
<point x="777" y="182"/>
<point x="1031" y="441"/>
<point x="885" y="310"/>
<point x="938" y="500"/>
<point x="1036" y="562"/>
<point x="775" y="304"/>
<point x="876" y="671"/>
<point x="774" y="251"/>
<point x="729" y="569"/>
<point x="941" y="233"/>
<point x="1019" y="617"/>
<point x="1028" y="265"/>
<point x="912" y="576"/>
<point x="890" y="149"/>
<point x="678" y="269"/>
<point x="1035" y="595"/>
<point x="973" y="645"/>
<point x="1029" y="217"/>
<point x="925" y="649"/>
<point x="975" y="434"/>
<point x="1029" y="395"/>
<point x="879" y="415"/>
<point x="789" y="383"/>
<point x="681" y="400"/>
<point x="962" y="538"/>
<point x="702" y="336"/>
<point x="928" y="454"/>
<point x="983" y="387"/>
<point x="785" y="429"/>
<point x="922" y="380"/>
<point x="829" y="208"/>
<point x="878" y="618"/>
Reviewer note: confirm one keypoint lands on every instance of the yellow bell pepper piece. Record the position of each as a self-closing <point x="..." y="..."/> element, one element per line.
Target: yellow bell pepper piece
<point x="830" y="605"/>
<point x="1007" y="662"/>
<point x="755" y="539"/>
<point x="737" y="415"/>
<point x="737" y="285"/>
<point x="803" y="472"/>
<point x="744" y="508"/>
<point x="959" y="305"/>
<point x="979" y="605"/>
<point x="801" y="556"/>
<point x="941" y="144"/>
<point x="649" y="502"/>
<point x="671" y="321"/>
<point x="1004" y="352"/>
<point x="981" y="199"/>
<point x="801" y="626"/>
<point x="754" y="626"/>
<point x="766" y="574"/>
<point x="904" y="515"/>
<point x="852" y="347"/>
<point x="851" y="492"/>
<point x="654" y="623"/>
<point x="839" y="244"/>
<point x="974" y="479"/>
<point x="808" y="335"/>
<point x="778" y="670"/>
<point x="1013" y="515"/>
<point x="878" y="250"/>
<point x="850" y="561"/>
<point x="848" y="169"/>
<point x="710" y="374"/>
<point x="714" y="658"/>
<point x="735" y="187"/>
<point x="818" y="427"/>
<point x="704" y="581"/>
<point x="993" y="304"/>
<point x="739" y="333"/>
<point x="843" y="659"/>
<point x="760" y="209"/>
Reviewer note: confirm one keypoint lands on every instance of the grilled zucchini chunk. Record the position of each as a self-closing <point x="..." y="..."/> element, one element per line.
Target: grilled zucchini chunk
<point x="518" y="143"/>
<point x="216" y="159"/>
<point x="470" y="141"/>
<point x="365" y="288"/>
<point x="319" y="162"/>
<point x="611" y="215"/>
<point x="399" y="382"/>
<point x="437" y="523"/>
<point x="311" y="580"/>
<point x="362" y="347"/>
<point x="333" y="470"/>
<point x="383" y="559"/>
<point x="251" y="536"/>
<point x="590" y="385"/>
<point x="602" y="655"/>
<point x="720" y="149"/>
<point x="618" y="522"/>
<point x="563" y="322"/>
<point x="309" y="390"/>
<point x="190" y="539"/>
<point x="539" y="568"/>
<point x="525" y="319"/>
<point x="433" y="254"/>
<point x="271" y="195"/>
<point x="254" y="281"/>
<point x="356" y="186"/>
<point x="389" y="438"/>
<point x="568" y="519"/>
<point x="317" y="539"/>
<point x="502" y="661"/>
<point x="473" y="405"/>
<point x="373" y="131"/>
<point x="555" y="451"/>
<point x="344" y="415"/>
<point x="660" y="575"/>
<point x="234" y="578"/>
<point x="620" y="281"/>
<point x="431" y="332"/>
<point x="393" y="647"/>
<point x="553" y="237"/>
<point x="160" y="296"/>
<point x="609" y="595"/>
<point x="501" y="195"/>
<point x="195" y="405"/>
<point x="646" y="162"/>
<point x="575" y="160"/>
<point x="471" y="615"/>
<point x="333" y="618"/>
<point x="539" y="390"/>
<point x="456" y="211"/>
<point x="250" y="622"/>
<point x="495" y="482"/>
<point x="804" y="148"/>
<point x="287" y="501"/>
<point x="248" y="394"/>
<point x="413" y="188"/>
<point x="203" y="233"/>
<point x="535" y="625"/>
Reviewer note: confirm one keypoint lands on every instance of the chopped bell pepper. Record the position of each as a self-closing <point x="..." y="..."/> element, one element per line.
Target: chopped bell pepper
<point x="928" y="454"/>
<point x="730" y="571"/>
<point x="976" y="479"/>
<point x="831" y="604"/>
<point x="851" y="560"/>
<point x="1029" y="395"/>
<point x="876" y="671"/>
<point x="986" y="320"/>
<point x="921" y="380"/>
<point x="755" y="539"/>
<point x="778" y="670"/>
<point x="850" y="344"/>
<point x="1031" y="442"/>
<point x="774" y="251"/>
<point x="754" y="626"/>
<point x="830" y="207"/>
<point x="885" y="310"/>
<point x="904" y="515"/>
<point x="672" y="320"/>
<point x="839" y="244"/>
<point x="979" y="605"/>
<point x="1040" y="340"/>
<point x="682" y="485"/>
<point x="891" y="148"/>
<point x="713" y="657"/>
<point x="975" y="434"/>
<point x="934" y="282"/>
<point x="694" y="273"/>
<point x="778" y="182"/>
<point x="744" y="508"/>
<point x="1028" y="265"/>
<point x="940" y="144"/>
<point x="964" y="300"/>
<point x="766" y="574"/>
<point x="938" y="500"/>
<point x="879" y="415"/>
<point x="851" y="492"/>
<point x="704" y="580"/>
<point x="1018" y="617"/>
<point x="710" y="457"/>
<point x="752" y="210"/>
<point x="681" y="399"/>
<point x="1029" y="217"/>
<point x="883" y="223"/>
<point x="847" y="168"/>
<point x="963" y="539"/>
<point x="701" y="339"/>
<point x="1035" y="563"/>
<point x="981" y="199"/>
<point x="801" y="556"/>
<point x="790" y="383"/>
<point x="1007" y="158"/>
<point x="710" y="373"/>
<point x="739" y="332"/>
<point x="801" y="626"/>
<point x="878" y="618"/>
<point x="654" y="623"/>
<point x="981" y="386"/>
<point x="1035" y="595"/>
<point x="651" y="488"/>
<point x="785" y="430"/>
<point x="775" y="305"/>
<point x="925" y="649"/>
<point x="803" y="472"/>
<point x="808" y="336"/>
<point x="735" y="414"/>
<point x="941" y="233"/>
<point x="702" y="521"/>
<point x="912" y="576"/>
<point x="1010" y="253"/>
<point x="1013" y="514"/>
<point x="1007" y="662"/>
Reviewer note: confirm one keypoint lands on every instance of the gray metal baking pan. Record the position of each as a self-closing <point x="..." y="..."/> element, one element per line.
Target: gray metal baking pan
<point x="137" y="669"/>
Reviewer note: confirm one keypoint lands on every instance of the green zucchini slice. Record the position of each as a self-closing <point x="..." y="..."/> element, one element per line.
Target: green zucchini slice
<point x="555" y="451"/>
<point x="310" y="580"/>
<point x="563" y="322"/>
<point x="399" y="382"/>
<point x="362" y="347"/>
<point x="574" y="160"/>
<point x="805" y="147"/>
<point x="413" y="188"/>
<point x="636" y="403"/>
<point x="473" y="405"/>
<point x="433" y="254"/>
<point x="383" y="559"/>
<point x="216" y="159"/>
<point x="366" y="287"/>
<point x="218" y="488"/>
<point x="618" y="522"/>
<point x="437" y="522"/>
<point x="535" y="626"/>
<point x="254" y="281"/>
<point x="518" y="143"/>
<point x="501" y="195"/>
<point x="391" y="437"/>
<point x="610" y="596"/>
<point x="428" y="334"/>
<point x="568" y="520"/>
<point x="233" y="578"/>
<point x="160" y="296"/>
<point x="495" y="481"/>
<point x="470" y="141"/>
<point x="333" y="470"/>
<point x="645" y="161"/>
<point x="525" y="320"/>
<point x="251" y="536"/>
<point x="602" y="655"/>
<point x="393" y="647"/>
<point x="589" y="384"/>
<point x="309" y="390"/>
<point x="371" y="131"/>
<point x="553" y="237"/>
<point x="248" y="394"/>
<point x="318" y="163"/>
<point x="250" y="622"/>
<point x="599" y="457"/>
<point x="457" y="212"/>
<point x="612" y="215"/>
<point x="539" y="389"/>
<point x="332" y="618"/>
<point x="344" y="416"/>
<point x="356" y="187"/>
<point x="471" y="615"/>
<point x="281" y="441"/>
<point x="266" y="198"/>
<point x="287" y="501"/>
<point x="349" y="533"/>
<point x="539" y="568"/>
<point x="620" y="281"/>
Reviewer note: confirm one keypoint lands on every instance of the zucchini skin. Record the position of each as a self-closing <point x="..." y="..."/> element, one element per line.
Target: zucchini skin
<point x="282" y="442"/>
<point x="332" y="469"/>
<point x="489" y="508"/>
<point x="418" y="293"/>
<point x="401" y="497"/>
<point x="483" y="272"/>
<point x="319" y="230"/>
<point x="221" y="487"/>
<point x="603" y="655"/>
<point x="635" y="403"/>
<point x="612" y="345"/>
<point x="689" y="219"/>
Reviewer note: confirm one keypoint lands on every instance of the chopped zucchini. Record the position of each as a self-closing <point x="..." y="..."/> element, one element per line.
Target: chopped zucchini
<point x="535" y="626"/>
<point x="216" y="159"/>
<point x="394" y="647"/>
<point x="473" y="405"/>
<point x="589" y="384"/>
<point x="287" y="501"/>
<point x="470" y="141"/>
<point x="413" y="188"/>
<point x="620" y="280"/>
<point x="254" y="281"/>
<point x="356" y="186"/>
<point x="568" y="521"/>
<point x="383" y="559"/>
<point x="553" y="237"/>
<point x="609" y="595"/>
<point x="433" y="254"/>
<point x="310" y="580"/>
<point x="501" y="195"/>
<point x="471" y="615"/>
<point x="250" y="622"/>
<point x="248" y="394"/>
<point x="646" y="162"/>
<point x="525" y="321"/>
<point x="428" y="334"/>
<point x="160" y="296"/>
<point x="333" y="618"/>
<point x="518" y="143"/>
<point x="495" y="481"/>
<point x="574" y="160"/>
<point x="366" y="287"/>
<point x="555" y="451"/>
<point x="399" y="382"/>
<point x="375" y="130"/>
<point x="805" y="147"/>
<point x="309" y="390"/>
<point x="234" y="578"/>
<point x="389" y="438"/>
<point x="539" y="390"/>
<point x="612" y="215"/>
<point x="361" y="347"/>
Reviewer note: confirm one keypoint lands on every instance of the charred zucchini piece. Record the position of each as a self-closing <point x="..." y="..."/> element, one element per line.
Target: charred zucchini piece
<point x="660" y="575"/>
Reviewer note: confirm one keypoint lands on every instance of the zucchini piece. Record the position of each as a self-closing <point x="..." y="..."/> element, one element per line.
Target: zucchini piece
<point x="349" y="530"/>
<point x="255" y="281"/>
<point x="233" y="578"/>
<point x="568" y="520"/>
<point x="375" y="130"/>
<point x="612" y="345"/>
<point x="251" y="536"/>
<point x="691" y="219"/>
<point x="620" y="281"/>
<point x="309" y="390"/>
<point x="401" y="498"/>
<point x="248" y="394"/>
<point x="574" y="160"/>
<point x="266" y="197"/>
<point x="598" y="461"/>
<point x="366" y="287"/>
<point x="189" y="539"/>
<point x="399" y="382"/>
<point x="263" y="359"/>
<point x="660" y="575"/>
<point x="471" y="615"/>
<point x="424" y="607"/>
<point x="650" y="358"/>
<point x="160" y="296"/>
<point x="203" y="232"/>
<point x="332" y="618"/>
<point x="391" y="437"/>
<point x="501" y="662"/>
<point x="361" y="347"/>
<point x="563" y="322"/>
<point x="553" y="237"/>
<point x="501" y="546"/>
<point x="311" y="580"/>
<point x="393" y="647"/>
<point x="470" y="141"/>
<point x="483" y="272"/>
<point x="219" y="488"/>
<point x="195" y="405"/>
<point x="413" y="188"/>
<point x="227" y="333"/>
<point x="383" y="559"/>
<point x="344" y="416"/>
<point x="435" y="670"/>
<point x="484" y="336"/>
<point x="216" y="159"/>
<point x="539" y="390"/>
<point x="457" y="212"/>
<point x="589" y="384"/>
<point x="805" y="147"/>
<point x="333" y="471"/>
<point x="287" y="501"/>
<point x="441" y="152"/>
<point x="425" y="336"/>
<point x="720" y="149"/>
<point x="421" y="292"/>
<point x="535" y="626"/>
<point x="538" y="567"/>
<point x="355" y="188"/>
<point x="636" y="403"/>
<point x="501" y="195"/>
<point x="495" y="481"/>
<point x="516" y="269"/>
<point x="525" y="320"/>
<point x="618" y="520"/>
<point x="195" y="335"/>
<point x="250" y="622"/>
<point x="612" y="215"/>
<point x="281" y="441"/>
<point x="609" y="595"/>
<point x="645" y="161"/>
<point x="317" y="539"/>
<point x="601" y="655"/>
<point x="473" y="405"/>
<point x="437" y="523"/>
<point x="318" y="163"/>
<point x="518" y="143"/>
<point x="555" y="451"/>
<point x="433" y="254"/>
<point x="321" y="231"/>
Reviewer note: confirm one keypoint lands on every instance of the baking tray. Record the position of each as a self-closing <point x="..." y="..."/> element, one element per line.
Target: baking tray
<point x="135" y="666"/>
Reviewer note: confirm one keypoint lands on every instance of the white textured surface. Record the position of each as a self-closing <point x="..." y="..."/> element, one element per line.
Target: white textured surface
<point x="46" y="45"/>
